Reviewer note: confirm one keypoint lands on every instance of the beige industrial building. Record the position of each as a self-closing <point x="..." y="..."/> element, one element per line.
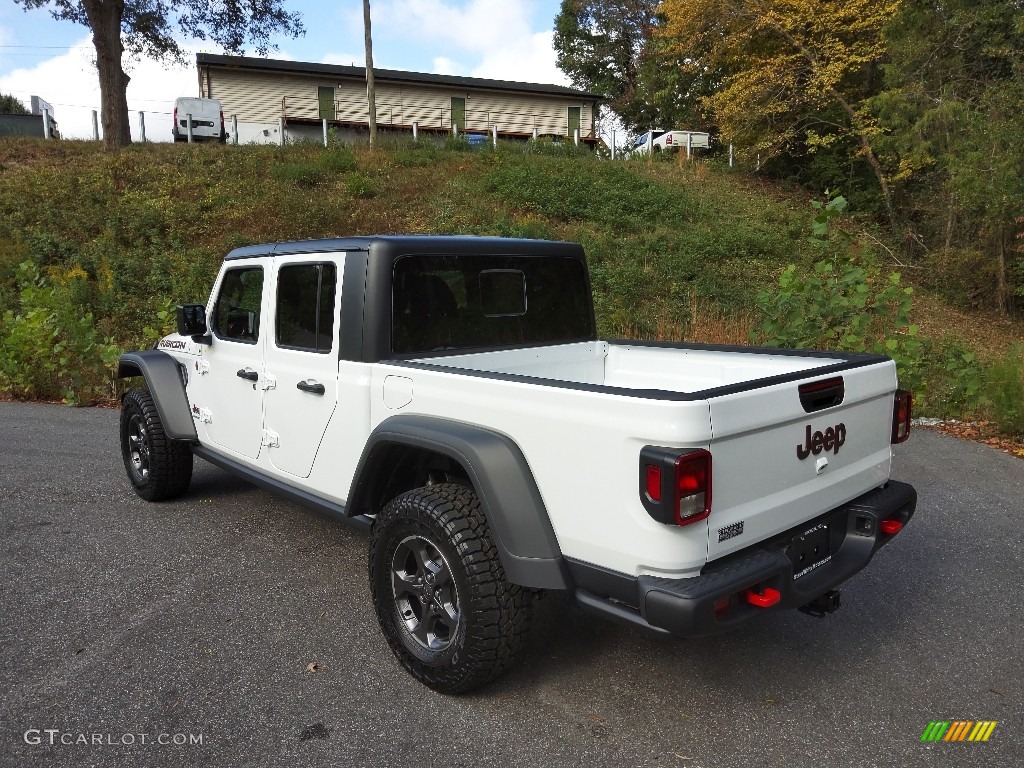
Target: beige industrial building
<point x="266" y="94"/>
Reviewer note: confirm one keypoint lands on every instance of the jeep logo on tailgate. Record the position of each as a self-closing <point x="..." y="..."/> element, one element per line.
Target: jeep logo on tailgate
<point x="831" y="439"/>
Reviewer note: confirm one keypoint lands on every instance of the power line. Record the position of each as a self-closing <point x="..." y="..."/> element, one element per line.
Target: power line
<point x="48" y="47"/>
<point x="79" y="106"/>
<point x="30" y="55"/>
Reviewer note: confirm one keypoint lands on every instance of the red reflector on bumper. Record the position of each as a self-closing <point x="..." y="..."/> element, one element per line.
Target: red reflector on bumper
<point x="765" y="600"/>
<point x="891" y="527"/>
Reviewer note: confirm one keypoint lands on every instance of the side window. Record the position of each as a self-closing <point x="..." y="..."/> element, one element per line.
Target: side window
<point x="237" y="312"/>
<point x="305" y="307"/>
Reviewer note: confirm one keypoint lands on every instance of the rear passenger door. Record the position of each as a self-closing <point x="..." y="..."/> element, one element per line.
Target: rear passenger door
<point x="302" y="358"/>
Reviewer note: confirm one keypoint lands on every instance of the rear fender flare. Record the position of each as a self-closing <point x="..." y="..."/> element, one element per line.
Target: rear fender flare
<point x="500" y="475"/>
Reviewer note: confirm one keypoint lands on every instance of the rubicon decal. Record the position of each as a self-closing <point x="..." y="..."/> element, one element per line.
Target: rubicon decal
<point x="959" y="730"/>
<point x="832" y="439"/>
<point x="171" y="344"/>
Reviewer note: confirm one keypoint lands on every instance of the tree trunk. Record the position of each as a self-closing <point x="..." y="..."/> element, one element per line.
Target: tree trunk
<point x="859" y="128"/>
<point x="1001" y="271"/>
<point x="869" y="153"/>
<point x="951" y="220"/>
<point x="371" y="97"/>
<point x="105" y="21"/>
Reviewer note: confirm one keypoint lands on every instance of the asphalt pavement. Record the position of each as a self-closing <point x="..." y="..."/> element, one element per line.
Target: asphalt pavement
<point x="231" y="628"/>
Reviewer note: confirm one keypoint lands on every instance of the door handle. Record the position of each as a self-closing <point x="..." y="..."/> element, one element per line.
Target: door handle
<point x="248" y="375"/>
<point x="316" y="389"/>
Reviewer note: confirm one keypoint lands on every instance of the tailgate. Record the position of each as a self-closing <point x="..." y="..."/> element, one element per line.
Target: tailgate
<point x="772" y="470"/>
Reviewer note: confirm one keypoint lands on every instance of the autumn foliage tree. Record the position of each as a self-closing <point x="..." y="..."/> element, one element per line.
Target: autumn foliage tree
<point x="149" y="28"/>
<point x="794" y="71"/>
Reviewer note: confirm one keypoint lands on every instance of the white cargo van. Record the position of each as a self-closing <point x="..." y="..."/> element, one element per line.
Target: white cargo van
<point x="207" y="119"/>
<point x="670" y="141"/>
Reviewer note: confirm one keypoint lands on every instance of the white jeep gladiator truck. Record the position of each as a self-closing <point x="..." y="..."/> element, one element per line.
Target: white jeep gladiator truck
<point x="451" y="396"/>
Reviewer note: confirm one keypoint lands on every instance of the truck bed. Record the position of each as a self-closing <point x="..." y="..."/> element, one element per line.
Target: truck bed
<point x="582" y="412"/>
<point x="647" y="367"/>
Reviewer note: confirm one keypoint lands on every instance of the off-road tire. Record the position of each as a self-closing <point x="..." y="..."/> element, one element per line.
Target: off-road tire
<point x="159" y="468"/>
<point x="482" y="637"/>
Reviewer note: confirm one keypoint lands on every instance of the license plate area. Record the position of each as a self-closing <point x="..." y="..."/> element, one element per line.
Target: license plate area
<point x="810" y="549"/>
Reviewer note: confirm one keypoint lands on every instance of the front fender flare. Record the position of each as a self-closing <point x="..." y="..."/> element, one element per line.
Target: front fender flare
<point x="515" y="512"/>
<point x="163" y="379"/>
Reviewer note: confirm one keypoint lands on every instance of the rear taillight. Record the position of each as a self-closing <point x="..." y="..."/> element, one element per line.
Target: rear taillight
<point x="693" y="487"/>
<point x="175" y="115"/>
<point x="675" y="487"/>
<point x="222" y="121"/>
<point x="668" y="139"/>
<point x="901" y="407"/>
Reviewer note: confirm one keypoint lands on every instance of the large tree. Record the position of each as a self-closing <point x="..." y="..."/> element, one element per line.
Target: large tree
<point x="792" y="71"/>
<point x="602" y="45"/>
<point x="954" y="134"/>
<point x="9" y="105"/>
<point x="148" y="28"/>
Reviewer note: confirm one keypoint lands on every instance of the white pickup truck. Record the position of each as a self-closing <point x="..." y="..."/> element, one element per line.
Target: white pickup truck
<point x="450" y="395"/>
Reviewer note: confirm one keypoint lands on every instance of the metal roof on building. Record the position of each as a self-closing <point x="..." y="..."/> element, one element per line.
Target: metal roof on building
<point x="386" y="75"/>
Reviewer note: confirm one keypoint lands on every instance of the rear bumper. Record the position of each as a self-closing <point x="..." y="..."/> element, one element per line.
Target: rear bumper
<point x="687" y="607"/>
<point x="198" y="134"/>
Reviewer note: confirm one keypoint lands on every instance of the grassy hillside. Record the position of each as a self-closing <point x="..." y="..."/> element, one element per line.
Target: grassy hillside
<point x="96" y="247"/>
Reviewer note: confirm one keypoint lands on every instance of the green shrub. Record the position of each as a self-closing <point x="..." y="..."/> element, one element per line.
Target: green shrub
<point x="546" y="145"/>
<point x="844" y="303"/>
<point x="338" y="160"/>
<point x="303" y="172"/>
<point x="1004" y="391"/>
<point x="361" y="186"/>
<point x="48" y="348"/>
<point x="457" y="143"/>
<point x="950" y="381"/>
<point x="416" y="154"/>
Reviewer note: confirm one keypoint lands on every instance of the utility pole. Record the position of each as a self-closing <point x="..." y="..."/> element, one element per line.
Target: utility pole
<point x="371" y="99"/>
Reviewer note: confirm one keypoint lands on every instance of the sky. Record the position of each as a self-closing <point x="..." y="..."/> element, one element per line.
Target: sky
<point x="500" y="39"/>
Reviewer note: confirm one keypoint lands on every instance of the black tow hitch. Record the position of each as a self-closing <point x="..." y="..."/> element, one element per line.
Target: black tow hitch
<point x="822" y="605"/>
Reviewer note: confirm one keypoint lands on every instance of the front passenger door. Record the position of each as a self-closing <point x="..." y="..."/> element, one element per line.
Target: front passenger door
<point x="228" y="390"/>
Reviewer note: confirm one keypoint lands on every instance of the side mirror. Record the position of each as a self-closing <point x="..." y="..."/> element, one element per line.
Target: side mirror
<point x="192" y="320"/>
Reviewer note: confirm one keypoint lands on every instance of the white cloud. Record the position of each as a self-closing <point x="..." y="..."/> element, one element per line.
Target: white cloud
<point x="70" y="83"/>
<point x="495" y="33"/>
<point x="528" y="59"/>
<point x="444" y="66"/>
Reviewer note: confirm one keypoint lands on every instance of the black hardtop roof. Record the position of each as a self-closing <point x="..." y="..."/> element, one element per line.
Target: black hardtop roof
<point x="395" y="245"/>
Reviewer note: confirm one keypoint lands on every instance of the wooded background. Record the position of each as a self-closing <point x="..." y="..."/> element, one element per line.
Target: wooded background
<point x="912" y="109"/>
